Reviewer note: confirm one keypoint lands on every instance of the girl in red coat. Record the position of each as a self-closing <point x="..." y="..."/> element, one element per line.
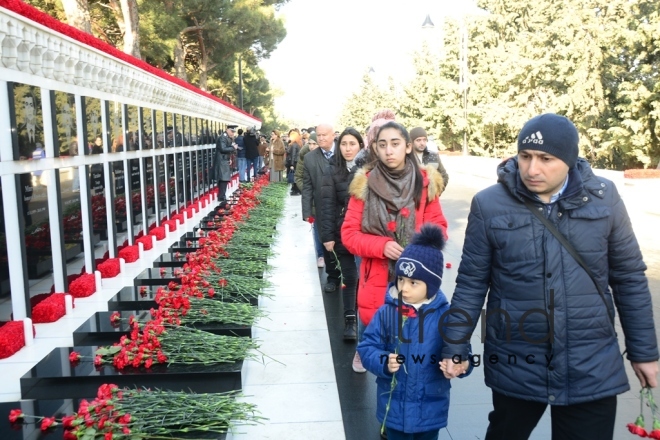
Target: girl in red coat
<point x="390" y="200"/>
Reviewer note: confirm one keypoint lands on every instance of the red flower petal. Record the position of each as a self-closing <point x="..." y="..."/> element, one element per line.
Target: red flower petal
<point x="15" y="414"/>
<point x="637" y="430"/>
<point x="391" y="226"/>
<point x="408" y="311"/>
<point x="47" y="422"/>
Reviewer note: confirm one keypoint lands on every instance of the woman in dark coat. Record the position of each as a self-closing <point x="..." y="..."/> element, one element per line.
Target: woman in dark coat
<point x="335" y="196"/>
<point x="292" y="159"/>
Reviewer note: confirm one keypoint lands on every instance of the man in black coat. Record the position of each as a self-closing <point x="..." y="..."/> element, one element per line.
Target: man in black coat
<point x="251" y="152"/>
<point x="314" y="165"/>
<point x="224" y="148"/>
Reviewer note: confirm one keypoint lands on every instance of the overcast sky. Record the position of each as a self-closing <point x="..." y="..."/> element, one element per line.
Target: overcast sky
<point x="330" y="44"/>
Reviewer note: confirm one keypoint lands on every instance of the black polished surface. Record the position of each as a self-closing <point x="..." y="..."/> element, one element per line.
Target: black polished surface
<point x="55" y="377"/>
<point x="176" y="259"/>
<point x="192" y="236"/>
<point x="161" y="276"/>
<point x="185" y="246"/>
<point x="133" y="298"/>
<point x="29" y="429"/>
<point x="357" y="391"/>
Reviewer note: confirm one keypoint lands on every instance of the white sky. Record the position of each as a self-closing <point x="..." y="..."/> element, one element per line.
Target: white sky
<point x="330" y="44"/>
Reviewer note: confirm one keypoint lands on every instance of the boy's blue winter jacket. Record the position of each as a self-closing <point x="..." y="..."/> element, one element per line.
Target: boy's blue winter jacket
<point x="420" y="401"/>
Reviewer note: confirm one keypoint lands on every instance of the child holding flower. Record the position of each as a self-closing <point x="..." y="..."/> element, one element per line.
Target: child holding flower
<point x="413" y="401"/>
<point x="390" y="200"/>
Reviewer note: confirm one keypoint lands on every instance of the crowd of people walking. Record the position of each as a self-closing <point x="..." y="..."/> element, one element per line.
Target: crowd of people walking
<point x="549" y="251"/>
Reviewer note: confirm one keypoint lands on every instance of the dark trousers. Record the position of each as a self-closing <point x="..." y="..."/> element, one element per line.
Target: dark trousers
<point x="515" y="419"/>
<point x="251" y="163"/>
<point x="222" y="190"/>
<point x="331" y="267"/>
<point x="350" y="279"/>
<point x="393" y="434"/>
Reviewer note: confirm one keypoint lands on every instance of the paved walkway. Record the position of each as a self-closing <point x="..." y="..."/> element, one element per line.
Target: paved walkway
<point x="295" y="386"/>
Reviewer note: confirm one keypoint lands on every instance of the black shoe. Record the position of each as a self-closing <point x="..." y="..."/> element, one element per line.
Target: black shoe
<point x="350" y="328"/>
<point x="330" y="287"/>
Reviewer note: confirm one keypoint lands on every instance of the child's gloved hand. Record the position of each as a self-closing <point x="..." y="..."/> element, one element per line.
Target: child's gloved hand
<point x="392" y="365"/>
<point x="457" y="369"/>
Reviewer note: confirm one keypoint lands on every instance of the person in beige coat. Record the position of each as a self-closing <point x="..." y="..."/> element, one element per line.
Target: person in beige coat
<point x="278" y="155"/>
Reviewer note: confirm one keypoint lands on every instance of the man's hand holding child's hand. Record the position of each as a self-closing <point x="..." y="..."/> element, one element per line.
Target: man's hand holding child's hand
<point x="451" y="369"/>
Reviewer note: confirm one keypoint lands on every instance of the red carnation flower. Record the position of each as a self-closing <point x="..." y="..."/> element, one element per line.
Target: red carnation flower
<point x="12" y="338"/>
<point x="310" y="220"/>
<point x="83" y="286"/>
<point x="391" y="226"/>
<point x="637" y="428"/>
<point x="48" y="422"/>
<point x="158" y="232"/>
<point x="130" y="253"/>
<point x="146" y="242"/>
<point x="74" y="357"/>
<point x="655" y="433"/>
<point x="405" y="212"/>
<point x="408" y="311"/>
<point x="68" y="422"/>
<point x="109" y="268"/>
<point x="15" y="414"/>
<point x="49" y="309"/>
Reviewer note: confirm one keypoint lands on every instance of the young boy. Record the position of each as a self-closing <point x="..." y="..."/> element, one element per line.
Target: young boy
<point x="413" y="401"/>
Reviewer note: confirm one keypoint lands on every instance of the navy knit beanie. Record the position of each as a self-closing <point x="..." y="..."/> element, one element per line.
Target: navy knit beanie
<point x="422" y="259"/>
<point x="552" y="134"/>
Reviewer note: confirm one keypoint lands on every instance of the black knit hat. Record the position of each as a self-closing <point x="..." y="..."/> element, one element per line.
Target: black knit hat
<point x="422" y="259"/>
<point x="552" y="134"/>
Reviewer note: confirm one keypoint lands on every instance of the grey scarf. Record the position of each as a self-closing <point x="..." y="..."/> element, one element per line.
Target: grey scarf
<point x="390" y="192"/>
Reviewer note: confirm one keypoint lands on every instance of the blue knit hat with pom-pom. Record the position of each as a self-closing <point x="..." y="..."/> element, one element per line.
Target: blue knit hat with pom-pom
<point x="422" y="259"/>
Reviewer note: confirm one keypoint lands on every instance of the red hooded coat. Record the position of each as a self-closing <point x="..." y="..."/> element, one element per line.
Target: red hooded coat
<point x="374" y="268"/>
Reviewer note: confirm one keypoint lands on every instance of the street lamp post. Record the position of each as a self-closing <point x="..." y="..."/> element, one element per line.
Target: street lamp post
<point x="240" y="82"/>
<point x="464" y="80"/>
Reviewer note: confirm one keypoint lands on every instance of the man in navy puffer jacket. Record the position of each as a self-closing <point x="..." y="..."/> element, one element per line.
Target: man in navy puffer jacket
<point x="549" y="334"/>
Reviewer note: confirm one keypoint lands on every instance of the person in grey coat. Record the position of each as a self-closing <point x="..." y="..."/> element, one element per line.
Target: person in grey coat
<point x="315" y="164"/>
<point x="224" y="148"/>
<point x="549" y="332"/>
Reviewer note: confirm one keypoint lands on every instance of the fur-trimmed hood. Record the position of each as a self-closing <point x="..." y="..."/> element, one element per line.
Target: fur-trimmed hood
<point x="432" y="180"/>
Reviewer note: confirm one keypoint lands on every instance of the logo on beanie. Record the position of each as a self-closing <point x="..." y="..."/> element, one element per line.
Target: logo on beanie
<point x="408" y="268"/>
<point x="534" y="138"/>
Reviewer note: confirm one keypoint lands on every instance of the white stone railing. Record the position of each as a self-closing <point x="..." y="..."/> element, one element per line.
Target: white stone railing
<point x="131" y="98"/>
<point x="34" y="54"/>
